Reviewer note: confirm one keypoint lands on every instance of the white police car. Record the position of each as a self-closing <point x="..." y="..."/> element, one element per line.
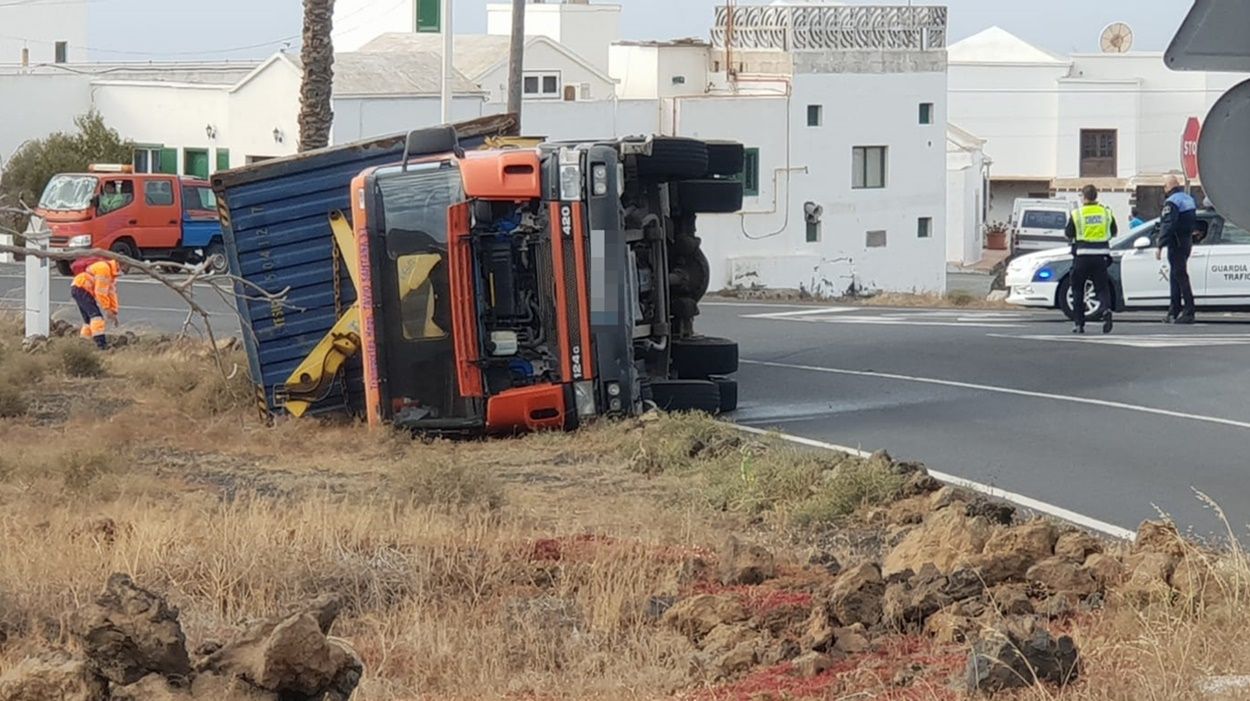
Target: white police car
<point x="1219" y="270"/>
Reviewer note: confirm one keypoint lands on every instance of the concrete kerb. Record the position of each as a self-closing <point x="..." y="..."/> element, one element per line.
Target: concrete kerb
<point x="1020" y="500"/>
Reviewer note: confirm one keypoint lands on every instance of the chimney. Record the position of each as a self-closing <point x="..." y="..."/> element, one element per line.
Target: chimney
<point x="25" y="57"/>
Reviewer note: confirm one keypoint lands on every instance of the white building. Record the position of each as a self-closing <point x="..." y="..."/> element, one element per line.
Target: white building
<point x="842" y="109"/>
<point x="1054" y="123"/>
<point x="43" y="32"/>
<point x="967" y="178"/>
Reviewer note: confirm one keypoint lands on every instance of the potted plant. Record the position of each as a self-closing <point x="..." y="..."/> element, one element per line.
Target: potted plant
<point x="996" y="236"/>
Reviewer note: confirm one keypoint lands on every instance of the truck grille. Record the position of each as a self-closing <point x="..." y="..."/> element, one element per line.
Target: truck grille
<point x="58" y="241"/>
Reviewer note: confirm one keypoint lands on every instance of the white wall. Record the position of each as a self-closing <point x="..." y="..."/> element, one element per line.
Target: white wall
<point x="635" y="68"/>
<point x="587" y="30"/>
<point x="38" y="26"/>
<point x="543" y="57"/>
<point x="357" y="22"/>
<point x="170" y="116"/>
<point x="36" y="105"/>
<point x="964" y="192"/>
<point x="270" y="100"/>
<point x="766" y="244"/>
<point x="688" y="62"/>
<point x="1098" y="104"/>
<point x="357" y="118"/>
<point x="1012" y="107"/>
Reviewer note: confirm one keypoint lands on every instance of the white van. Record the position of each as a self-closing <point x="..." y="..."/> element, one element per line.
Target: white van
<point x="1038" y="225"/>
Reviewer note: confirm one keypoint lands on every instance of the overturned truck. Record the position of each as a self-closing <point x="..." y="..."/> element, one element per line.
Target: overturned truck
<point x="453" y="281"/>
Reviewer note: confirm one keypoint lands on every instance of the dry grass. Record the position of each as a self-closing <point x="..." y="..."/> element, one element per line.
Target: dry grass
<point x="510" y="569"/>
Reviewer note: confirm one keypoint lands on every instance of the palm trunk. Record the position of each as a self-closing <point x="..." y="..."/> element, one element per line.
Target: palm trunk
<point x="316" y="113"/>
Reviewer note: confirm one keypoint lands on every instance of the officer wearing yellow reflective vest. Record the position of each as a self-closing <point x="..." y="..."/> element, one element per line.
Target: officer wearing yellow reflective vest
<point x="95" y="292"/>
<point x="1091" y="228"/>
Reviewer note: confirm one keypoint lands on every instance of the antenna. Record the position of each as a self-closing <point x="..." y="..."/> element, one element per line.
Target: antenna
<point x="1117" y="38"/>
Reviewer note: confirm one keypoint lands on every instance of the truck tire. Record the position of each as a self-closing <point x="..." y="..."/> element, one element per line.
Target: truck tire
<point x="125" y="248"/>
<point x="728" y="394"/>
<point x="674" y="158"/>
<point x="215" y="259"/>
<point x="725" y="158"/>
<point x="701" y="357"/>
<point x="686" y="395"/>
<point x="709" y="196"/>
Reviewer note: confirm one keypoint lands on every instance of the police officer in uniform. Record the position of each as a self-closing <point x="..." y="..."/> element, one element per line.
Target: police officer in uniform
<point x="1176" y="233"/>
<point x="1091" y="229"/>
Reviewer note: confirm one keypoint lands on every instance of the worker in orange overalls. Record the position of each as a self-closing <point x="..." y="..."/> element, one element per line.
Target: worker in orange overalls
<point x="95" y="292"/>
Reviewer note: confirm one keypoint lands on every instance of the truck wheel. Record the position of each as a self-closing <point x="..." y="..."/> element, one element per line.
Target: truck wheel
<point x="728" y="394"/>
<point x="62" y="267"/>
<point x="725" y="158"/>
<point x="692" y="274"/>
<point x="674" y="158"/>
<point x="125" y="248"/>
<point x="686" y="395"/>
<point x="215" y="259"/>
<point x="700" y="357"/>
<point x="709" y="196"/>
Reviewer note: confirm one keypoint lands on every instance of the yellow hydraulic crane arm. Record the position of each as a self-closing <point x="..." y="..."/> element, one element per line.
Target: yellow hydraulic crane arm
<point x="313" y="379"/>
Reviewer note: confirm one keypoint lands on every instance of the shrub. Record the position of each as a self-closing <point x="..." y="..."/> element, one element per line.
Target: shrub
<point x="12" y="402"/>
<point x="80" y="360"/>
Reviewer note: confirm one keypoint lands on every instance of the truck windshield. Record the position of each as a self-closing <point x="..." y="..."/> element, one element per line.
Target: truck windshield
<point x="68" y="193"/>
<point x="416" y="291"/>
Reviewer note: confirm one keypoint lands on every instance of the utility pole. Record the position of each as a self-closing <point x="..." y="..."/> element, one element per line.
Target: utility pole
<point x="448" y="36"/>
<point x="516" y="59"/>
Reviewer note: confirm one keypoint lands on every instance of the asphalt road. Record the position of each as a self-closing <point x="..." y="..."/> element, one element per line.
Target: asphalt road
<point x="1116" y="428"/>
<point x="145" y="304"/>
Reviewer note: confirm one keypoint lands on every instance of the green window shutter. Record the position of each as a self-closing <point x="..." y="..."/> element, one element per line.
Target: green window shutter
<point x="195" y="162"/>
<point x="750" y="176"/>
<point x="223" y="159"/>
<point x="428" y="19"/>
<point x="169" y="161"/>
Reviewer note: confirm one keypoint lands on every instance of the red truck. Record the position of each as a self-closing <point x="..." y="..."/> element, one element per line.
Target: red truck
<point x="142" y="216"/>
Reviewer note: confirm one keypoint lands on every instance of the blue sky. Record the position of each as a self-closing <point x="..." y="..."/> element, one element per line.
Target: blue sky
<point x="251" y="28"/>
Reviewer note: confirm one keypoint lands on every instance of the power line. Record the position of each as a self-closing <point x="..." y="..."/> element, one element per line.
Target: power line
<point x="208" y="52"/>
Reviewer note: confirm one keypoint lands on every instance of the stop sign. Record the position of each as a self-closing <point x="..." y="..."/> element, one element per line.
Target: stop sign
<point x="1189" y="147"/>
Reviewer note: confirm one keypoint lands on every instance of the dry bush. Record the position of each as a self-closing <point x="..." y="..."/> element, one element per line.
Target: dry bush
<point x="12" y="401"/>
<point x="187" y="373"/>
<point x="79" y="359"/>
<point x="447" y="480"/>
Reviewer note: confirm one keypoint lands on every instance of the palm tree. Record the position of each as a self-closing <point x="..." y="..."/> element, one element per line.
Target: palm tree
<point x="316" y="111"/>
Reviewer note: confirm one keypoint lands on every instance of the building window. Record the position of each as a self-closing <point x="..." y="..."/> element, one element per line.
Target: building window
<point x="147" y="159"/>
<point x="223" y="159"/>
<point x="868" y="167"/>
<point x="924" y="228"/>
<point x="926" y="113"/>
<point x="195" y="162"/>
<point x="541" y="85"/>
<point x="1098" y="153"/>
<point x="876" y="239"/>
<point x="813" y="232"/>
<point x="750" y="175"/>
<point x="62" y="52"/>
<point x="815" y="115"/>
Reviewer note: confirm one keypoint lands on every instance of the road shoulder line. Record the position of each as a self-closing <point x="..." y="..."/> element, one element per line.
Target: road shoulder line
<point x="993" y="492"/>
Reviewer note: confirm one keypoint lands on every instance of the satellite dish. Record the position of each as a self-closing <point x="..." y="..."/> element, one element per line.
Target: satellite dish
<point x="1117" y="38"/>
<point x="1223" y="152"/>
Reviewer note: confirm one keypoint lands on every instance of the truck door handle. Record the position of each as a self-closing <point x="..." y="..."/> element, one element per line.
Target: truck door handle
<point x="134" y="222"/>
<point x="173" y="221"/>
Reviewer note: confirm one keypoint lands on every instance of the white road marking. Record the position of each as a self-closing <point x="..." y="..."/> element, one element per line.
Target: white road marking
<point x="867" y="320"/>
<point x="1219" y="421"/>
<point x="993" y="492"/>
<point x="900" y="317"/>
<point x="126" y="310"/>
<point x="1140" y="341"/>
<point x="805" y="312"/>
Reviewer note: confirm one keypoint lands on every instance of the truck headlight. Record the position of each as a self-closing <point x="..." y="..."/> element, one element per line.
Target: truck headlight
<point x="83" y="241"/>
<point x="570" y="175"/>
<point x="584" y="395"/>
<point x="599" y="178"/>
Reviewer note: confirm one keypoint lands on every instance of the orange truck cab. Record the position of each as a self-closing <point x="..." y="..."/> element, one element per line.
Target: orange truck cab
<point x="138" y="215"/>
